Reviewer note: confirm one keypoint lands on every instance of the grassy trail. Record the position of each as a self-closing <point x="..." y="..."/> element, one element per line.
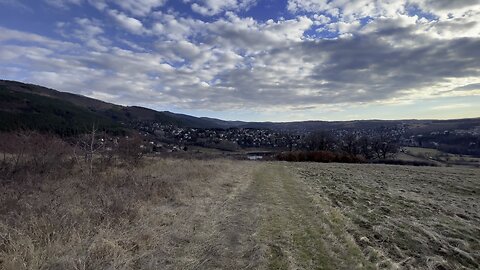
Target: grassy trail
<point x="300" y="229"/>
<point x="272" y="219"/>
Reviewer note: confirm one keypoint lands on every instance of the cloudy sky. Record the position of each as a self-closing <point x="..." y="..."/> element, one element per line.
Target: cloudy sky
<point x="276" y="60"/>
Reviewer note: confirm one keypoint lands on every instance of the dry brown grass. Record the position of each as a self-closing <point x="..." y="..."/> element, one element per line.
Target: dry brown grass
<point x="122" y="218"/>
<point x="225" y="214"/>
<point x="31" y="152"/>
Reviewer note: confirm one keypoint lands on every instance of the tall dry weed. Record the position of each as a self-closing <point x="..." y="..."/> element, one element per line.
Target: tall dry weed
<point x="119" y="218"/>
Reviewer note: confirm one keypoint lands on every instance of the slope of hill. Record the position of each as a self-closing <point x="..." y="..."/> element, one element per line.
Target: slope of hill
<point x="27" y="106"/>
<point x="23" y="110"/>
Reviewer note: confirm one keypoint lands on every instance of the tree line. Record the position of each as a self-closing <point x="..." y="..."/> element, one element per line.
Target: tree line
<point x="324" y="146"/>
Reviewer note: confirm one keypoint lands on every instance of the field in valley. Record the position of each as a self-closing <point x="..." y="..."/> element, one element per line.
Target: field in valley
<point x="437" y="157"/>
<point x="225" y="214"/>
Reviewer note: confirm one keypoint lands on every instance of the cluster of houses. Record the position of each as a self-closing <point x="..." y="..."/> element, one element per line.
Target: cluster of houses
<point x="170" y="138"/>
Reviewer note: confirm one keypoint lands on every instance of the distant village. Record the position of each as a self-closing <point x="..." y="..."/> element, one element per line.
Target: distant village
<point x="169" y="138"/>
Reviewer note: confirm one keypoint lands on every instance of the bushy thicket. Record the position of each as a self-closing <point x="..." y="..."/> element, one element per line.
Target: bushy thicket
<point x="32" y="152"/>
<point x="323" y="146"/>
<point x="27" y="153"/>
<point x="379" y="146"/>
<point x="319" y="156"/>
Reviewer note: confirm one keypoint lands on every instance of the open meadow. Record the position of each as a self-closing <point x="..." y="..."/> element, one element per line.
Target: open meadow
<point x="225" y="214"/>
<point x="437" y="157"/>
<point x="239" y="134"/>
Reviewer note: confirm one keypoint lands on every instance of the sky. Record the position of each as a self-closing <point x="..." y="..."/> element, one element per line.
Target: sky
<point x="253" y="60"/>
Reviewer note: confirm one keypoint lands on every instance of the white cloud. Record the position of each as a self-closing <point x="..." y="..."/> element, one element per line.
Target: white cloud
<point x="18" y="4"/>
<point x="439" y="18"/>
<point x="88" y="31"/>
<point x="98" y="4"/>
<point x="447" y="8"/>
<point x="233" y="62"/>
<point x="139" y="7"/>
<point x="452" y="107"/>
<point x="214" y="7"/>
<point x="9" y="34"/>
<point x="132" y="25"/>
<point x="63" y="3"/>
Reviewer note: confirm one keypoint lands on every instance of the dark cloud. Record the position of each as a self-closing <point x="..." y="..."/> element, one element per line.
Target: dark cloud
<point x="450" y="4"/>
<point x="363" y="68"/>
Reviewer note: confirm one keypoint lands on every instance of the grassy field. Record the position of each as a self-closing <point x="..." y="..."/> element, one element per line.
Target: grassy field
<point x="437" y="157"/>
<point x="224" y="214"/>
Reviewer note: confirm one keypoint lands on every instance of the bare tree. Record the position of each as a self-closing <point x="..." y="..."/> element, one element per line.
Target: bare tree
<point x="320" y="141"/>
<point x="384" y="146"/>
<point x="350" y="144"/>
<point x="89" y="145"/>
<point x="365" y="147"/>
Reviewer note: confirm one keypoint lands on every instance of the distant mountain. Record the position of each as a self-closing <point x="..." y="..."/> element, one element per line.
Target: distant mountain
<point x="309" y="126"/>
<point x="411" y="126"/>
<point x="28" y="106"/>
<point x="226" y="124"/>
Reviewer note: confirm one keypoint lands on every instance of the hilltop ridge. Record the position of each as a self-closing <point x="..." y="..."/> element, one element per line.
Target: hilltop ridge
<point x="29" y="106"/>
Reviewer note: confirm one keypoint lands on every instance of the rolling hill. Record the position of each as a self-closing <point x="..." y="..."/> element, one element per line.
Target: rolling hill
<point x="28" y="106"/>
<point x="413" y="126"/>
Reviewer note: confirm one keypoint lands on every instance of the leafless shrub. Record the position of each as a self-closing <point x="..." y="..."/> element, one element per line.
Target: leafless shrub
<point x="32" y="152"/>
<point x="131" y="150"/>
<point x="96" y="151"/>
<point x="89" y="145"/>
